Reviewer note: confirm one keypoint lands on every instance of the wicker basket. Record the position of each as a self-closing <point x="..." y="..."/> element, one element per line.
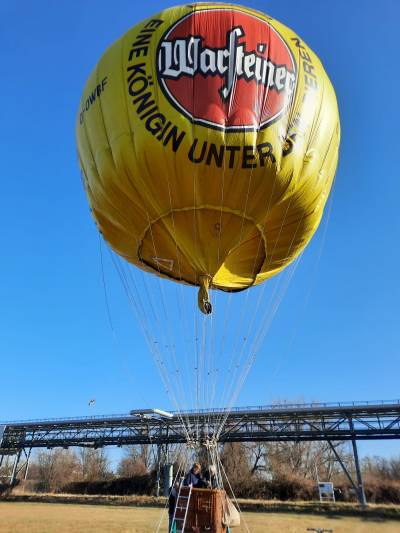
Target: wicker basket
<point x="205" y="511"/>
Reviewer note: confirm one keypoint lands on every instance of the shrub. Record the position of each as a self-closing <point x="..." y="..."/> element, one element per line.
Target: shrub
<point x="144" y="484"/>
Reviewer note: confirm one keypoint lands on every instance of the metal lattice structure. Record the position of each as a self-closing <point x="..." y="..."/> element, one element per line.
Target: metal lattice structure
<point x="313" y="422"/>
<point x="277" y="423"/>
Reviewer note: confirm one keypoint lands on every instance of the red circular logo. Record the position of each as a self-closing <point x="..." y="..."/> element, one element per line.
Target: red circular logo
<point x="226" y="69"/>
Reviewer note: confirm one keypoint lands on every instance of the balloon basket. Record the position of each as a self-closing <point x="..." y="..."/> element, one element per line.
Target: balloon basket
<point x="205" y="511"/>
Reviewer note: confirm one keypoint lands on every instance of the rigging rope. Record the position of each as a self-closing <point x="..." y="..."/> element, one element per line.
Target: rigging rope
<point x="240" y="338"/>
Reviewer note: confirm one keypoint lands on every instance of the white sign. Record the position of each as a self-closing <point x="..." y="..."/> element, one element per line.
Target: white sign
<point x="326" y="492"/>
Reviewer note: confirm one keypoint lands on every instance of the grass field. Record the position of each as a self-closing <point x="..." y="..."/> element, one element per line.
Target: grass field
<point x="24" y="517"/>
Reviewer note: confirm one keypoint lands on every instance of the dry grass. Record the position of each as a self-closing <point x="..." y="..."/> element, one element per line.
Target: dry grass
<point x="379" y="511"/>
<point x="27" y="517"/>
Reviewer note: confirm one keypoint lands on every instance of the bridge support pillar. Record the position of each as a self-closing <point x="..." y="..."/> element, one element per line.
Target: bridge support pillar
<point x="15" y="466"/>
<point x="28" y="456"/>
<point x="360" y="484"/>
<point x="359" y="488"/>
<point x="158" y="470"/>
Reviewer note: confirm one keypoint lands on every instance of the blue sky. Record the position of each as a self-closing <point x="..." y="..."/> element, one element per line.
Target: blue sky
<point x="336" y="335"/>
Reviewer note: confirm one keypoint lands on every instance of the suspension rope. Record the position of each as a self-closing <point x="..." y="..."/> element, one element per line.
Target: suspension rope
<point x="244" y="307"/>
<point x="141" y="316"/>
<point x="261" y="333"/>
<point x="311" y="282"/>
<point x="116" y="344"/>
<point x="178" y="293"/>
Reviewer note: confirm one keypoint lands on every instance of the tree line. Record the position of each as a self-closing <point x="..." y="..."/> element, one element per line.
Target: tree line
<point x="258" y="470"/>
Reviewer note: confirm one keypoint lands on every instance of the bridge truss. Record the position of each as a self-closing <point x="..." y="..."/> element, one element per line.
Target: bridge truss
<point x="331" y="423"/>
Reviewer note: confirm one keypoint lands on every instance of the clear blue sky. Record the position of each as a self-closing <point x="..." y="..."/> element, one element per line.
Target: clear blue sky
<point x="336" y="336"/>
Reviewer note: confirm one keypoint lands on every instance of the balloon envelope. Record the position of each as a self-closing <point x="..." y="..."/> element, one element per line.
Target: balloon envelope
<point x="208" y="140"/>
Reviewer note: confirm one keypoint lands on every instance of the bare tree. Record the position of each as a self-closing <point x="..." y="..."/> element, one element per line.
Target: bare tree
<point x="235" y="460"/>
<point x="138" y="461"/>
<point x="382" y="468"/>
<point x="6" y="468"/>
<point x="304" y="459"/>
<point x="94" y="464"/>
<point x="256" y="453"/>
<point x="54" y="468"/>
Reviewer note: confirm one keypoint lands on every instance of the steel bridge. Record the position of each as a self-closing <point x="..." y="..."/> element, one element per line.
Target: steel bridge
<point x="329" y="422"/>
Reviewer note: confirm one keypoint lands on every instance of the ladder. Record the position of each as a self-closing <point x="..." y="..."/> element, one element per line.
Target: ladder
<point x="181" y="508"/>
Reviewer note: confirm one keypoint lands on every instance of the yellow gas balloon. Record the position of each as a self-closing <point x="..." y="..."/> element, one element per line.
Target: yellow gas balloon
<point x="208" y="140"/>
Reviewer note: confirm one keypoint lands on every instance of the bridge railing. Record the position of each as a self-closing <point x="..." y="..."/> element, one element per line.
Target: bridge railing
<point x="257" y="408"/>
<point x="272" y="407"/>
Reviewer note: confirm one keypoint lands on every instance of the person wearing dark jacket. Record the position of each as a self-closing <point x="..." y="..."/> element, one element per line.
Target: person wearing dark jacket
<point x="194" y="478"/>
<point x="173" y="495"/>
